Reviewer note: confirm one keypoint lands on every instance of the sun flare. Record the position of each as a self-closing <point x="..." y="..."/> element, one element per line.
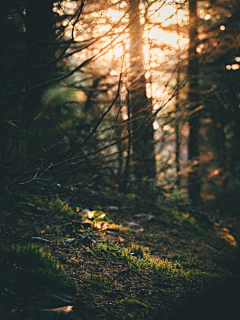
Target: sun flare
<point x="161" y="40"/>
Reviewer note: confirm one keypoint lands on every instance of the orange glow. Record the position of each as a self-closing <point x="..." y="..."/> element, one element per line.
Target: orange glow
<point x="118" y="51"/>
<point x="162" y="48"/>
<point x="214" y="173"/>
<point x="81" y="96"/>
<point x="153" y="55"/>
<point x="226" y="236"/>
<point x="115" y="15"/>
<point x="235" y="66"/>
<point x="206" y="197"/>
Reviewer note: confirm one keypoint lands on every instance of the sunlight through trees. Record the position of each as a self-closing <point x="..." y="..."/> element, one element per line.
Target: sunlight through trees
<point x="132" y="90"/>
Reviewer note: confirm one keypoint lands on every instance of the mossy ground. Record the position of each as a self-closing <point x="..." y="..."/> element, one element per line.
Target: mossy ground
<point x="126" y="258"/>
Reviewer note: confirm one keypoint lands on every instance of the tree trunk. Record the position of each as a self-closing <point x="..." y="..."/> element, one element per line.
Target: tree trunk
<point x="142" y="143"/>
<point x="194" y="185"/>
<point x="40" y="50"/>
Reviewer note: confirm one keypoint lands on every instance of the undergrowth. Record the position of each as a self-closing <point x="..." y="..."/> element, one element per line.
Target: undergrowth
<point x="156" y="260"/>
<point x="138" y="259"/>
<point x="34" y="259"/>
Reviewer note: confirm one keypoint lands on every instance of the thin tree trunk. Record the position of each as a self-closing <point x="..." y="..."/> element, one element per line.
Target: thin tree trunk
<point x="129" y="141"/>
<point x="177" y="142"/>
<point x="194" y="185"/>
<point x="177" y="133"/>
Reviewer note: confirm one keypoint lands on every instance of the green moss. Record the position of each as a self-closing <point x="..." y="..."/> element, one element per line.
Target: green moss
<point x="138" y="251"/>
<point x="187" y="222"/>
<point x="185" y="261"/>
<point x="34" y="260"/>
<point x="54" y="204"/>
<point x="163" y="220"/>
<point x="119" y="227"/>
<point x="180" y="257"/>
<point x="136" y="303"/>
<point x="192" y="225"/>
<point x="131" y="196"/>
<point x="176" y="196"/>
<point x="165" y="209"/>
<point x="138" y="260"/>
<point x="101" y="216"/>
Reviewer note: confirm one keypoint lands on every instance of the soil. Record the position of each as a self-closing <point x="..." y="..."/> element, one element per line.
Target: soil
<point x="128" y="257"/>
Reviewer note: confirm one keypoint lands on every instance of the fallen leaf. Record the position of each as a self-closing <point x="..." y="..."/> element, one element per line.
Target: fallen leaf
<point x="133" y="224"/>
<point x="69" y="240"/>
<point x="41" y="239"/>
<point x="144" y="217"/>
<point x="55" y="313"/>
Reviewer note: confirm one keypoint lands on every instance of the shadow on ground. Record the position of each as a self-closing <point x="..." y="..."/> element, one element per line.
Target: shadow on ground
<point x="221" y="302"/>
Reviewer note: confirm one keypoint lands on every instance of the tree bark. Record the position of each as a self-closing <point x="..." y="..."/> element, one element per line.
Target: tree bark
<point x="194" y="185"/>
<point x="143" y="156"/>
<point x="40" y="50"/>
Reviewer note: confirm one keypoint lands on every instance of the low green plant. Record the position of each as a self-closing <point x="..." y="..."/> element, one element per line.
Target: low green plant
<point x="180" y="257"/>
<point x="34" y="259"/>
<point x="138" y="251"/>
<point x="163" y="220"/>
<point x="131" y="196"/>
<point x="101" y="216"/>
<point x="54" y="204"/>
<point x="119" y="227"/>
<point x="192" y="225"/>
<point x="136" y="303"/>
<point x="187" y="222"/>
<point x="185" y="261"/>
<point x="138" y="259"/>
<point x="165" y="209"/>
<point x="156" y="236"/>
<point x="176" y="196"/>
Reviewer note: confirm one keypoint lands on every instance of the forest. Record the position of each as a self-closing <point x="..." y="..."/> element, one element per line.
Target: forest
<point x="120" y="159"/>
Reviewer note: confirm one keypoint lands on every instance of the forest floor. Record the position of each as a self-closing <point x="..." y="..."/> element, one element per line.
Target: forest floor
<point x="109" y="256"/>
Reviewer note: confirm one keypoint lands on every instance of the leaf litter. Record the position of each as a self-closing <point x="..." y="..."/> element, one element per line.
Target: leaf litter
<point x="142" y="269"/>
